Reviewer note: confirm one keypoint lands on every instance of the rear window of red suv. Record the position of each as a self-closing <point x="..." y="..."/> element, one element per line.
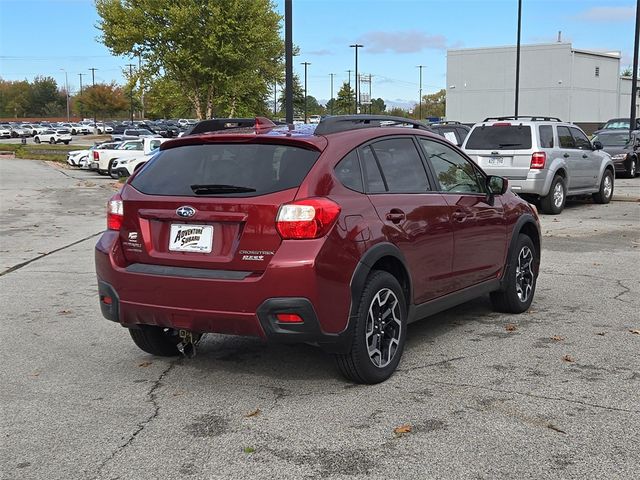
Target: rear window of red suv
<point x="229" y="170"/>
<point x="500" y="137"/>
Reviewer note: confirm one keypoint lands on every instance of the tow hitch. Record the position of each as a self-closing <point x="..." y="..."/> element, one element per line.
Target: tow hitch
<point x="188" y="342"/>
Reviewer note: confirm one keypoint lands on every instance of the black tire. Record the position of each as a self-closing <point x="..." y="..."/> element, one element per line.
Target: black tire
<point x="550" y="203"/>
<point x="511" y="298"/>
<point x="52" y="141"/>
<point x="156" y="340"/>
<point x="66" y="142"/>
<point x="110" y="167"/>
<point x="632" y="171"/>
<point x="606" y="191"/>
<point x="37" y="140"/>
<point x="357" y="365"/>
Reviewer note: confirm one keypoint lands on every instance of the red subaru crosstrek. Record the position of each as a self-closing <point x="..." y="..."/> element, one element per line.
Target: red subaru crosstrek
<point x="337" y="234"/>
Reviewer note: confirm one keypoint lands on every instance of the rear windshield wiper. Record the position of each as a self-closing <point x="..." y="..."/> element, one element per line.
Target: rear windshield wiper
<point x="220" y="188"/>
<point x="510" y="144"/>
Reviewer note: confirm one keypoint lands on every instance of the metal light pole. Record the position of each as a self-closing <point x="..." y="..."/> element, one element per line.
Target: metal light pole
<point x="356" y="46"/>
<point x="634" y="74"/>
<point x="420" y="101"/>
<point x="66" y="90"/>
<point x="93" y="84"/>
<point x="306" y="64"/>
<point x="275" y="99"/>
<point x="130" y="65"/>
<point x="80" y="106"/>
<point x="518" y="56"/>
<point x="288" y="55"/>
<point x="332" y="101"/>
<point x="349" y="82"/>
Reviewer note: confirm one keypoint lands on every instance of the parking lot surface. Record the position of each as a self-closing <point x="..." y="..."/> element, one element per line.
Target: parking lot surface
<point x="551" y="393"/>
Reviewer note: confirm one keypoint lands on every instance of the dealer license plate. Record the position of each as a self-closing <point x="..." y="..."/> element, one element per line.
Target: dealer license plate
<point x="495" y="161"/>
<point x="191" y="238"/>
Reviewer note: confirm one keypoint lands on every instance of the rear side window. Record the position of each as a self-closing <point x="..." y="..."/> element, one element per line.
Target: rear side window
<point x="546" y="136"/>
<point x="500" y="137"/>
<point x="233" y="170"/>
<point x="348" y="172"/>
<point x="373" y="177"/>
<point x="565" y="138"/>
<point x="401" y="165"/>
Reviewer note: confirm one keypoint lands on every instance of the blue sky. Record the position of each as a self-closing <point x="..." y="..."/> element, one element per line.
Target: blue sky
<point x="41" y="37"/>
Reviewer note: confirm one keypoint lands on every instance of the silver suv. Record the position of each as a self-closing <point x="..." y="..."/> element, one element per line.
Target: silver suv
<point x="543" y="158"/>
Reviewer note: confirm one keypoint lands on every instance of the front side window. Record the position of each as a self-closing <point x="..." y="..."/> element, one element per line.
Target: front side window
<point x="401" y="165"/>
<point x="565" y="138"/>
<point x="454" y="172"/>
<point x="582" y="142"/>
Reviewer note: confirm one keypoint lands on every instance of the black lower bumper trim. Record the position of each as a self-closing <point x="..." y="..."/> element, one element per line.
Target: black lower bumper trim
<point x="309" y="331"/>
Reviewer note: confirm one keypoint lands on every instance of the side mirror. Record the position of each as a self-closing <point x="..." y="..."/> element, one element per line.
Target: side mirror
<point x="597" y="145"/>
<point x="497" y="185"/>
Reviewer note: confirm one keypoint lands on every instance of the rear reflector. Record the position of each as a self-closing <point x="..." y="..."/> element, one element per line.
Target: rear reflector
<point x="107" y="300"/>
<point x="289" y="318"/>
<point x="115" y="212"/>
<point x="538" y="160"/>
<point x="306" y="219"/>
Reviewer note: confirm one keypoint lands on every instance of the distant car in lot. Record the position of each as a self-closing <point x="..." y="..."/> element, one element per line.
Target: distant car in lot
<point x="32" y="129"/>
<point x="53" y="136"/>
<point x="5" y="131"/>
<point x="544" y="159"/>
<point x="314" y="118"/>
<point x="624" y="148"/>
<point x="134" y="133"/>
<point x="104" y="159"/>
<point x="80" y="158"/>
<point x="338" y="235"/>
<point x="79" y="129"/>
<point x="125" y="167"/>
<point x="618" y="124"/>
<point x="455" y="132"/>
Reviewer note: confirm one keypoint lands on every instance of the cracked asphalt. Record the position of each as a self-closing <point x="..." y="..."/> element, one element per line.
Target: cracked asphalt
<point x="552" y="393"/>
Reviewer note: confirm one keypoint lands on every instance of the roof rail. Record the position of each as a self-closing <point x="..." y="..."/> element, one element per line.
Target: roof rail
<point x="218" y="124"/>
<point x="343" y="123"/>
<point x="524" y="117"/>
<point x="446" y="122"/>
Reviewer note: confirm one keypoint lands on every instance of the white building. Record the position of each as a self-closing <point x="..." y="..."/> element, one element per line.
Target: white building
<point x="555" y="80"/>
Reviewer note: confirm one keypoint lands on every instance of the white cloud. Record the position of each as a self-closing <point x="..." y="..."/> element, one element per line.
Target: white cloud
<point x="608" y="14"/>
<point x="319" y="53"/>
<point x="409" y="41"/>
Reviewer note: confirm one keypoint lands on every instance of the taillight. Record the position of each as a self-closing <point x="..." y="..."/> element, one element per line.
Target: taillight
<point x="96" y="156"/>
<point x="115" y="212"/>
<point x="538" y="160"/>
<point x="306" y="219"/>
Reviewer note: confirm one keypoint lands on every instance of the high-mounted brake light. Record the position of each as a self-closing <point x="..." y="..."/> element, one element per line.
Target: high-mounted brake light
<point x="115" y="212"/>
<point x="263" y="125"/>
<point x="306" y="219"/>
<point x="501" y="124"/>
<point x="538" y="160"/>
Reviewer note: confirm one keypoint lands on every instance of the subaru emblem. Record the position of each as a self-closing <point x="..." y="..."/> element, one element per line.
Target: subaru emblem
<point x="186" y="212"/>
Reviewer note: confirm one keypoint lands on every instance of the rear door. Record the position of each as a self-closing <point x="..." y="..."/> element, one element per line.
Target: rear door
<point x="211" y="206"/>
<point x="502" y="149"/>
<point x="414" y="217"/>
<point x="479" y="228"/>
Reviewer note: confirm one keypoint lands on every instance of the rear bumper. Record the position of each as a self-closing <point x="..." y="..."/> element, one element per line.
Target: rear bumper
<point x="229" y="302"/>
<point x="532" y="186"/>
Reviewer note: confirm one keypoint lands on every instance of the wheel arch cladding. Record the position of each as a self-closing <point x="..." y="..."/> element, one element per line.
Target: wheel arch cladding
<point x="526" y="225"/>
<point x="386" y="257"/>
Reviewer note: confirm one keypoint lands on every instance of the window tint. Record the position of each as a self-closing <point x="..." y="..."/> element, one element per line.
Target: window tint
<point x="582" y="142"/>
<point x="546" y="136"/>
<point x="373" y="178"/>
<point x="565" y="138"/>
<point x="348" y="172"/>
<point x="265" y="168"/>
<point x="401" y="165"/>
<point x="500" y="137"/>
<point x="454" y="172"/>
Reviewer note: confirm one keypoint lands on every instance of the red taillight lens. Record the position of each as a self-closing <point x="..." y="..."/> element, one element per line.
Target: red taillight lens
<point x="289" y="318"/>
<point x="115" y="212"/>
<point x="96" y="156"/>
<point x="538" y="160"/>
<point x="306" y="219"/>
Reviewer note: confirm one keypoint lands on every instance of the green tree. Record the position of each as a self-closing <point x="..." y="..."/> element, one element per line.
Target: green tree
<point x="398" y="112"/>
<point x="223" y="54"/>
<point x="627" y="72"/>
<point x="378" y="106"/>
<point x="103" y="100"/>
<point x="433" y="105"/>
<point x="15" y="98"/>
<point x="345" y="100"/>
<point x="163" y="99"/>
<point x="298" y="97"/>
<point x="45" y="99"/>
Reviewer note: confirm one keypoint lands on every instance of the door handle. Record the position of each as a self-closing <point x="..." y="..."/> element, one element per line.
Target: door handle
<point x="459" y="216"/>
<point x="396" y="215"/>
<point x="566" y="155"/>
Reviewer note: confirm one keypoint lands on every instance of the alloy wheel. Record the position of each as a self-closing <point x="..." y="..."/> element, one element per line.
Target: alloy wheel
<point x="608" y="186"/>
<point x="383" y="328"/>
<point x="558" y="195"/>
<point x="524" y="274"/>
